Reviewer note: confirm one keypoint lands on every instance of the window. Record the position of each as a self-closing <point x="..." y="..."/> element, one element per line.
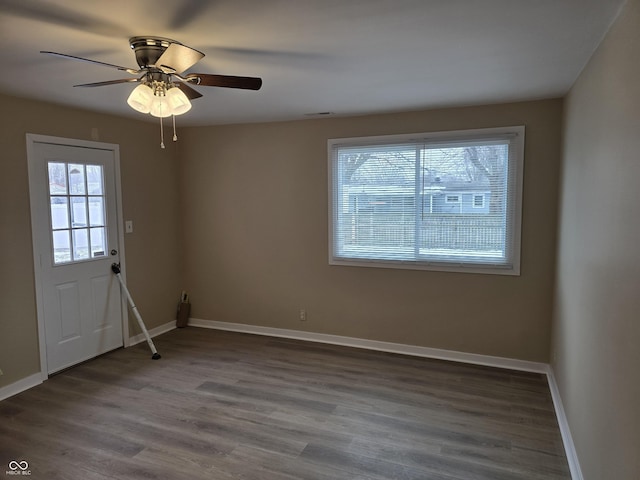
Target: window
<point x="412" y="201"/>
<point x="77" y="202"/>
<point x="478" y="201"/>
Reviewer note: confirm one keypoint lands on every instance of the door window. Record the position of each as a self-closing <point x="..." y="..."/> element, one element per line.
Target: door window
<point x="77" y="203"/>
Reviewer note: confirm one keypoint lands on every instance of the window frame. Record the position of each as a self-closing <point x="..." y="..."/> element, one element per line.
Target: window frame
<point x="515" y="181"/>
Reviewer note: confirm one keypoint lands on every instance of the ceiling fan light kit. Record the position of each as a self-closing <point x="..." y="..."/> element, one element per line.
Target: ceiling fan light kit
<point x="158" y="100"/>
<point x="163" y="89"/>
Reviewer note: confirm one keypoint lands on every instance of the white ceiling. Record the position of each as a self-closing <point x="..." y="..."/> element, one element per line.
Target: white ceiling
<point x="348" y="57"/>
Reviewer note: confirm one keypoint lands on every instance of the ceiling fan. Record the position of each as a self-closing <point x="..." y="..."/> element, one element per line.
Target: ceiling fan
<point x="164" y="89"/>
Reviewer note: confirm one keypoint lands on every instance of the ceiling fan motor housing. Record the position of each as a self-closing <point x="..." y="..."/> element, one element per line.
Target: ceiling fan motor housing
<point x="149" y="49"/>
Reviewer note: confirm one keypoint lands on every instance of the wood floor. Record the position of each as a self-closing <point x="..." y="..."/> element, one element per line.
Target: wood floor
<point x="222" y="405"/>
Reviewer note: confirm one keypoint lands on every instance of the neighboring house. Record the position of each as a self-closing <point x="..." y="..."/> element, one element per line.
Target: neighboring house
<point x="444" y="198"/>
<point x="463" y="199"/>
<point x="454" y="216"/>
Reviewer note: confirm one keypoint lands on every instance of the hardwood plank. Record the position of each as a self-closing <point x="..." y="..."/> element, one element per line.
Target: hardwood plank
<point x="228" y="405"/>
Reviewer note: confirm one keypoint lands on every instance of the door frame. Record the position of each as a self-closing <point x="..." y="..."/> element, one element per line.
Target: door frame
<point x="32" y="139"/>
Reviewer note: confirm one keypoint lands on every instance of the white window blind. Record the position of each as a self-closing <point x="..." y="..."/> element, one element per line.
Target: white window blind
<point x="445" y="201"/>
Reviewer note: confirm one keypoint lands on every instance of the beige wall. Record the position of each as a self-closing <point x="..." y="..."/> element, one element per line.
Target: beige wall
<point x="255" y="205"/>
<point x="597" y="309"/>
<point x="150" y="199"/>
<point x="246" y="261"/>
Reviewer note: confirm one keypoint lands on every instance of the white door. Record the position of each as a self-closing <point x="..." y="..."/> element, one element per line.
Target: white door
<point x="75" y="234"/>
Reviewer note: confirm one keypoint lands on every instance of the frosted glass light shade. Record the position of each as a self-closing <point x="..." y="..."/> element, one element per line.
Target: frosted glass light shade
<point x="160" y="107"/>
<point x="141" y="98"/>
<point x="178" y="101"/>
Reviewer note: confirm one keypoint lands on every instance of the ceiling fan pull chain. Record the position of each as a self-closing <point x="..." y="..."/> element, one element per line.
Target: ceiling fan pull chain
<point x="161" y="133"/>
<point x="175" y="137"/>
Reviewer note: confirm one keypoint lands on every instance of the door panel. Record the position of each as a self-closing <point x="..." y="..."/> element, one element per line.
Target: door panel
<point x="75" y="222"/>
<point x="100" y="290"/>
<point x="68" y="311"/>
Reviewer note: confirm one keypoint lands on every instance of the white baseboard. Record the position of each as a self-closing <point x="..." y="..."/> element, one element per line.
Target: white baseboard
<point x="414" y="350"/>
<point x="567" y="439"/>
<point x="154" y="332"/>
<point x="20" y="386"/>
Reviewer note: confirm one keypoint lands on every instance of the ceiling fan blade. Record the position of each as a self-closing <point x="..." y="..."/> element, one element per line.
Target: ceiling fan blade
<point x="108" y="82"/>
<point x="267" y="56"/>
<point x="228" y="81"/>
<point x="177" y="58"/>
<point x="188" y="91"/>
<point x="104" y="64"/>
<point x="187" y="13"/>
<point x="54" y="13"/>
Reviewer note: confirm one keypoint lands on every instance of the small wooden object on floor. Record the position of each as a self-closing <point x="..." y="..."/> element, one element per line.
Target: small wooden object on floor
<point x="183" y="314"/>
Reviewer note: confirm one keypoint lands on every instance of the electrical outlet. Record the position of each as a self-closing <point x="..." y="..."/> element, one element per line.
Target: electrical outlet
<point x="1" y="372"/>
<point x="303" y="315"/>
